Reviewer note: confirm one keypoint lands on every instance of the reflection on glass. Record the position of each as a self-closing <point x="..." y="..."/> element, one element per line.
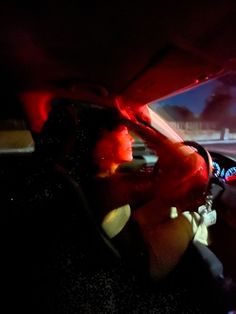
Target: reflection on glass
<point x="206" y="114"/>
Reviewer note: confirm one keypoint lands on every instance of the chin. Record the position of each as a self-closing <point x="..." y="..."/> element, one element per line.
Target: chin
<point x="129" y="158"/>
<point x="125" y="157"/>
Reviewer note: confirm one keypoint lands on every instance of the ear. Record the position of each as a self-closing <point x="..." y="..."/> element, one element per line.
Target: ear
<point x="104" y="149"/>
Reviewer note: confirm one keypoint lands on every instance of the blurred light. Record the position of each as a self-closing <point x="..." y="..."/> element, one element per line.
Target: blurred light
<point x="37" y="105"/>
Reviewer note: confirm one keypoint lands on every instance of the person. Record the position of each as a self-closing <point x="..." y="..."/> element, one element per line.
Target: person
<point x="132" y="212"/>
<point x="120" y="197"/>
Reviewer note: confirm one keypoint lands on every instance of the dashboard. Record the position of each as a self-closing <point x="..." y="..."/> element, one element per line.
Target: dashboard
<point x="224" y="167"/>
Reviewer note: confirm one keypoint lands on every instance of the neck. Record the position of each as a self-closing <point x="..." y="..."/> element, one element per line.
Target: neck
<point x="108" y="170"/>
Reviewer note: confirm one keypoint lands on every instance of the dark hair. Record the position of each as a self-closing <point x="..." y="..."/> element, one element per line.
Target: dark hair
<point x="57" y="137"/>
<point x="71" y="133"/>
<point x="92" y="123"/>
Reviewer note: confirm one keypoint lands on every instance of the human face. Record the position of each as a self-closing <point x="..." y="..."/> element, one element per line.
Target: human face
<point x="115" y="147"/>
<point x="122" y="144"/>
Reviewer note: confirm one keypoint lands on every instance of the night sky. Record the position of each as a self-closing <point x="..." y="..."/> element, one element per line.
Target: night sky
<point x="196" y="98"/>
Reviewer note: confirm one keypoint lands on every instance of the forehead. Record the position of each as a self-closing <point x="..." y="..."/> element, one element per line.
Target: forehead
<point x="121" y="129"/>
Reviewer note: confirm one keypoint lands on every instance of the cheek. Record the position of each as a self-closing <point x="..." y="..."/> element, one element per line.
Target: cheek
<point x="124" y="153"/>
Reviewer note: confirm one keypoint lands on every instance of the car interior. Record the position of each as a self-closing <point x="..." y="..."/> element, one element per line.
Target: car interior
<point x="63" y="62"/>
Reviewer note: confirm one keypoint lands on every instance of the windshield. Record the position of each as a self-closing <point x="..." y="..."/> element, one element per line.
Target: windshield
<point x="205" y="114"/>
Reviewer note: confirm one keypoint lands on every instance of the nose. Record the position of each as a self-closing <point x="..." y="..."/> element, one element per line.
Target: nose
<point x="131" y="138"/>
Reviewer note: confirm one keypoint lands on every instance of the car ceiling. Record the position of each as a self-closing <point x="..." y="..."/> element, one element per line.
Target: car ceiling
<point x="142" y="50"/>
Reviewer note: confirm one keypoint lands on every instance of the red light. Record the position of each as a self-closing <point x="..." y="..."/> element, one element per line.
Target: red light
<point x="37" y="105"/>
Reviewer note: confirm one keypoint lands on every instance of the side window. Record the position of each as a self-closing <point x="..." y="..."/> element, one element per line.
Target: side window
<point x="15" y="138"/>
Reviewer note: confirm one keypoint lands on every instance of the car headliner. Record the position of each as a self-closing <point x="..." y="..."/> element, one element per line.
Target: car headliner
<point x="143" y="50"/>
